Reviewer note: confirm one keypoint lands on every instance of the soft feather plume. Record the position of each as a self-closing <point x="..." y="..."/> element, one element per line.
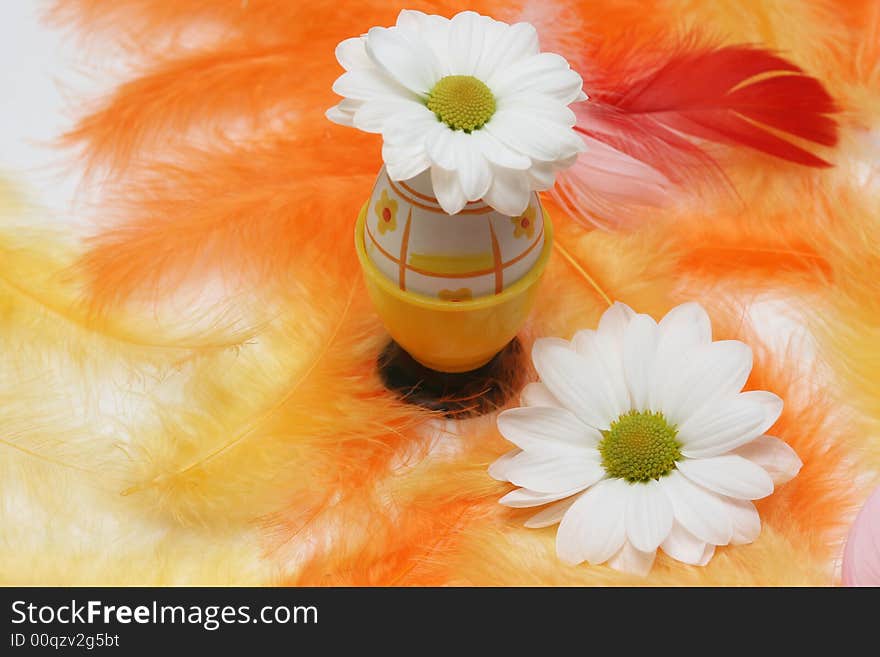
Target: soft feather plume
<point x="70" y="389"/>
<point x="199" y="93"/>
<point x="266" y="61"/>
<point x="253" y="214"/>
<point x="194" y="435"/>
<point x="293" y="425"/>
<point x="39" y="269"/>
<point x="821" y="36"/>
<point x="41" y="289"/>
<point x="712" y="95"/>
<point x="736" y="95"/>
<point x="297" y="413"/>
<point x="810" y="243"/>
<point x="846" y="319"/>
<point x="772" y="244"/>
<point x="148" y="24"/>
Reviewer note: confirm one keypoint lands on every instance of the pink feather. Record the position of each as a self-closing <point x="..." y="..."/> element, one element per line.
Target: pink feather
<point x="604" y="181"/>
<point x="861" y="559"/>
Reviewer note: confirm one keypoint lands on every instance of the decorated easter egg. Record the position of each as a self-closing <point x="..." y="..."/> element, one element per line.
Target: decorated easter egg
<point x="474" y="253"/>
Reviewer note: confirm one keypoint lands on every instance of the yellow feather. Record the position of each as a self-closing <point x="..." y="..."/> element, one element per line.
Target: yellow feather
<point x="284" y="416"/>
<point x="247" y="438"/>
<point x="846" y="321"/>
<point x="64" y="449"/>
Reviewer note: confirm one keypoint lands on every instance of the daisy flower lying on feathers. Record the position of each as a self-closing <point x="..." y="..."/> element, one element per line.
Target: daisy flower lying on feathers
<point x="470" y="98"/>
<point x="638" y="436"/>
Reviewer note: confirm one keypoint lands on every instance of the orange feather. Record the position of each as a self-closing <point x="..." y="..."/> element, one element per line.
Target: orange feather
<point x="363" y="496"/>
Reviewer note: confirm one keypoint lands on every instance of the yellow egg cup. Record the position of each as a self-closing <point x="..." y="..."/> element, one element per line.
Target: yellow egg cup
<point x="451" y="336"/>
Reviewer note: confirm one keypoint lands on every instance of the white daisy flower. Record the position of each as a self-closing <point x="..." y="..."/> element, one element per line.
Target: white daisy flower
<point x="639" y="437"/>
<point x="471" y="98"/>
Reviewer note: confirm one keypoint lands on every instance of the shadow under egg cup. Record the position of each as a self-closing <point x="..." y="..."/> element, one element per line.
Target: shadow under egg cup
<point x="451" y="336"/>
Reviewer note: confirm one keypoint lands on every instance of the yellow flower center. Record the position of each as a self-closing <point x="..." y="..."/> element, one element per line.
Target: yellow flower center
<point x="462" y="102"/>
<point x="639" y="446"/>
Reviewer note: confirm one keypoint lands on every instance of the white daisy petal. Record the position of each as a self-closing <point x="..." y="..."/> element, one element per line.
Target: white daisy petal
<point x="746" y="521"/>
<point x="412" y="119"/>
<point x="550" y="515"/>
<point x="403" y="59"/>
<point x="726" y="424"/>
<point x="510" y="46"/>
<point x="729" y="475"/>
<point x="683" y="546"/>
<point x="541" y="107"/>
<point x="699" y="511"/>
<point x="509" y="192"/>
<point x="648" y="516"/>
<point x="369" y="84"/>
<point x="606" y="365"/>
<point x="440" y="146"/>
<point x="542" y="175"/>
<point x="708" y="552"/>
<point x="593" y="528"/>
<point x="473" y="169"/>
<point x="548" y="473"/>
<point x="772" y="404"/>
<point x="522" y="498"/>
<point x="681" y="330"/>
<point x="776" y="457"/>
<point x="568" y="376"/>
<point x="352" y="54"/>
<point x="537" y="394"/>
<point x="499" y="153"/>
<point x="430" y="30"/>
<point x="684" y="326"/>
<point x="466" y="36"/>
<point x="614" y="321"/>
<point x="559" y="342"/>
<point x="411" y="20"/>
<point x="710" y="371"/>
<point x="403" y="163"/>
<point x="542" y="74"/>
<point x="584" y="342"/>
<point x="343" y="113"/>
<point x="498" y="469"/>
<point x="412" y="126"/>
<point x="639" y="347"/>
<point x="447" y="187"/>
<point x="545" y="139"/>
<point x="372" y="115"/>
<point x="551" y="430"/>
<point x="631" y="560"/>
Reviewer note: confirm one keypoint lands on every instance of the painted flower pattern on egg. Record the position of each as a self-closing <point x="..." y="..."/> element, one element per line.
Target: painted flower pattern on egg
<point x="524" y="224"/>
<point x="386" y="212"/>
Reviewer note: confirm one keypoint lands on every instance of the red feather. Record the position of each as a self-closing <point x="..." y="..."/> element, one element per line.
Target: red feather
<point x="657" y="112"/>
<point x="729" y="95"/>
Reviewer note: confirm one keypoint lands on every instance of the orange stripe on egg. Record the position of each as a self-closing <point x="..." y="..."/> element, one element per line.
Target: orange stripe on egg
<point x="404" y="245"/>
<point x="470" y="274"/>
<point x="426" y="197"/>
<point x="436" y="210"/>
<point x="496" y="254"/>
